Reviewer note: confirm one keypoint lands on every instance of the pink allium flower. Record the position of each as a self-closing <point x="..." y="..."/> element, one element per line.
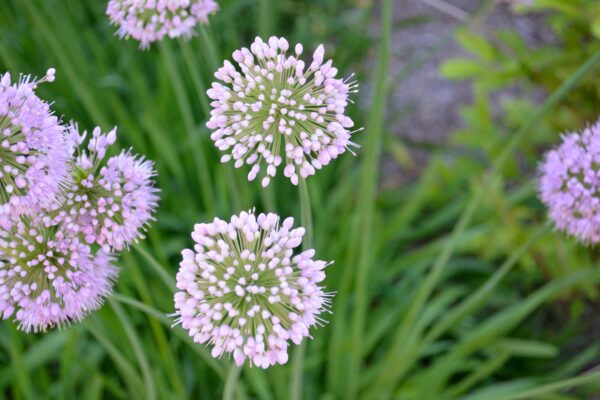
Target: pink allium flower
<point x="244" y="290"/>
<point x="111" y="202"/>
<point x="33" y="147"/>
<point x="276" y="107"/>
<point x="48" y="277"/>
<point x="569" y="184"/>
<point x="151" y="20"/>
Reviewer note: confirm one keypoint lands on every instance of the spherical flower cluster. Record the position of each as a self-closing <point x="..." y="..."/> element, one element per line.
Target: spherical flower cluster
<point x="110" y="202"/>
<point x="569" y="184"/>
<point x="48" y="277"/>
<point x="33" y="148"/>
<point x="61" y="216"/>
<point x="151" y="20"/>
<point x="275" y="106"/>
<point x="244" y="291"/>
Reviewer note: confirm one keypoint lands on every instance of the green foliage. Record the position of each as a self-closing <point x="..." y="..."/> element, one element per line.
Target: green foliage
<point x="510" y="75"/>
<point x="429" y="304"/>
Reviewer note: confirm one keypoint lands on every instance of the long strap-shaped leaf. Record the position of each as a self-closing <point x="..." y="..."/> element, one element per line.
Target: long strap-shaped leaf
<point x="495" y="327"/>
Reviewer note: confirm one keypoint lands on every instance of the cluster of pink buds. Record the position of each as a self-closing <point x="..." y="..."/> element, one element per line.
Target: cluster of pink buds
<point x="245" y="290"/>
<point x="569" y="184"/>
<point x="48" y="277"/>
<point x="149" y="21"/>
<point x="112" y="200"/>
<point x="62" y="216"/>
<point x="274" y="111"/>
<point x="34" y="152"/>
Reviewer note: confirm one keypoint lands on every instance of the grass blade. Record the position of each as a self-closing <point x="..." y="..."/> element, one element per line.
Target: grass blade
<point x="428" y="285"/>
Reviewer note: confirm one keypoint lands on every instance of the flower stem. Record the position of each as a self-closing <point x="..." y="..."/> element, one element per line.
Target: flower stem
<point x="364" y="233"/>
<point x="297" y="369"/>
<point x="198" y="153"/>
<point x="231" y="382"/>
<point x="307" y="243"/>
<point x="306" y="215"/>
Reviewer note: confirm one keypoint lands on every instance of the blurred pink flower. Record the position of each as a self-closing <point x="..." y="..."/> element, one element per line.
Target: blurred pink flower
<point x="151" y="20"/>
<point x="244" y="291"/>
<point x="278" y="107"/>
<point x="569" y="184"/>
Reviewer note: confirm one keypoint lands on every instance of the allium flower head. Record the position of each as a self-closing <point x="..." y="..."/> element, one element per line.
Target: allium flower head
<point x="111" y="202"/>
<point x="151" y="20"/>
<point x="569" y="184"/>
<point x="245" y="290"/>
<point x="48" y="277"/>
<point x="33" y="147"/>
<point x="274" y="108"/>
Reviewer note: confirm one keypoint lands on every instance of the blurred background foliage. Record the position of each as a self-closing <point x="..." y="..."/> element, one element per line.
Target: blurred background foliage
<point x="496" y="307"/>
<point x="510" y="78"/>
